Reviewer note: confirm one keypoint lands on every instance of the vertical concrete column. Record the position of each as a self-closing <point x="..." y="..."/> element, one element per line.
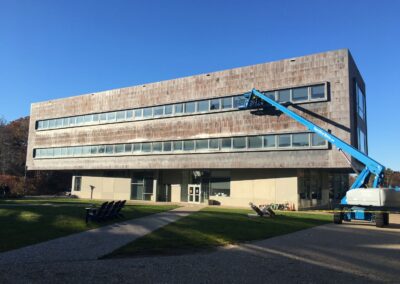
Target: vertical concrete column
<point x="155" y="184"/>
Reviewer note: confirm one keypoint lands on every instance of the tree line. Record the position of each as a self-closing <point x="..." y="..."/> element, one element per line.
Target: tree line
<point x="15" y="180"/>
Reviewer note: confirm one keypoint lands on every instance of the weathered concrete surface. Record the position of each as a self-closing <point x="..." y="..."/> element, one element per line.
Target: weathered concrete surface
<point x="348" y="253"/>
<point x="92" y="244"/>
<point x="335" y="114"/>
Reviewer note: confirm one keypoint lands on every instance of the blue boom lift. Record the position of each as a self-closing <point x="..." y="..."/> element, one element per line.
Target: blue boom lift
<point x="360" y="202"/>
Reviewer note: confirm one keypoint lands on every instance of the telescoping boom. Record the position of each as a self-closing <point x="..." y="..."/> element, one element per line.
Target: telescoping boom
<point x="354" y="196"/>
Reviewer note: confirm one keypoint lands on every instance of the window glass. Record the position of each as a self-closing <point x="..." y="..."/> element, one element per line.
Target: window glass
<point x="255" y="142"/>
<point x="270" y="95"/>
<point x="70" y="151"/>
<point x="157" y="146"/>
<point x="269" y="141"/>
<point x="77" y="151"/>
<point x="77" y="183"/>
<point x="86" y="150"/>
<point x="137" y="147"/>
<point x="102" y="149"/>
<point x="109" y="149"/>
<point x="202" y="144"/>
<point x="120" y="115"/>
<point x="238" y="101"/>
<point x="93" y="150"/>
<point x="148" y="112"/>
<point x="64" y="152"/>
<point x="214" y="104"/>
<point x="226" y="103"/>
<point x="50" y="152"/>
<point x="190" y="107"/>
<point x="177" y="145"/>
<point x="65" y="122"/>
<point x="57" y="152"/>
<point x="226" y="143"/>
<point x="59" y="122"/>
<point x="168" y="109"/>
<point x="146" y="147"/>
<point x="317" y="140"/>
<point x="300" y="94"/>
<point x="318" y="92"/>
<point x="214" y="143"/>
<point x="284" y="140"/>
<point x="88" y="118"/>
<point x="284" y="96"/>
<point x="158" y="111"/>
<point x="362" y="141"/>
<point x="128" y="148"/>
<point x="52" y="123"/>
<point x="188" y="145"/>
<point x="111" y="116"/>
<point x="129" y="114"/>
<point x="203" y="106"/>
<point x="300" y="140"/>
<point x="138" y="113"/>
<point x="167" y="146"/>
<point x="80" y="120"/>
<point x="178" y="108"/>
<point x="103" y="117"/>
<point x="120" y="148"/>
<point x="220" y="186"/>
<point x="239" y="142"/>
<point x="45" y="124"/>
<point x="360" y="102"/>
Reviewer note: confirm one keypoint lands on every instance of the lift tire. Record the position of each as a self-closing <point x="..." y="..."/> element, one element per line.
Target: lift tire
<point x="337" y="217"/>
<point x="386" y="219"/>
<point x="379" y="220"/>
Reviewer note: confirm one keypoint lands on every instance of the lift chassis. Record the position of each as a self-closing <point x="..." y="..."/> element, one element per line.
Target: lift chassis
<point x="360" y="202"/>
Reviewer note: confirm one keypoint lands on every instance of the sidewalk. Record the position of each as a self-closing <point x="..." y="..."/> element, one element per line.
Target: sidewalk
<point x="92" y="244"/>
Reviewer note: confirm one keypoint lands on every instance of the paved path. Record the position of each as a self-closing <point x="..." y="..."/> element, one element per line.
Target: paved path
<point x="348" y="253"/>
<point x="92" y="244"/>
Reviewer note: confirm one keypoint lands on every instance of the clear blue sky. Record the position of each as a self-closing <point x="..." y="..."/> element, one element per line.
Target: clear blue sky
<point x="54" y="49"/>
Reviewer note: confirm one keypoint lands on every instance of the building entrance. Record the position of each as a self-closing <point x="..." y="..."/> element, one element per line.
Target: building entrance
<point x="194" y="193"/>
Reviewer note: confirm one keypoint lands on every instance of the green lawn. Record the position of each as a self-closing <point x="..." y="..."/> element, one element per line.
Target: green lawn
<point x="213" y="227"/>
<point x="25" y="224"/>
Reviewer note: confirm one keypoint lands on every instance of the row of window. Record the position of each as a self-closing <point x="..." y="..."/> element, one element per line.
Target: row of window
<point x="295" y="95"/>
<point x="268" y="142"/>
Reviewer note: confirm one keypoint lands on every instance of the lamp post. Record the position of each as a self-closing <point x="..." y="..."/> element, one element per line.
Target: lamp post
<point x="91" y="191"/>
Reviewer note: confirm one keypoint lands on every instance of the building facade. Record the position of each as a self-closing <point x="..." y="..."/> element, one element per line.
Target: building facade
<point x="185" y="140"/>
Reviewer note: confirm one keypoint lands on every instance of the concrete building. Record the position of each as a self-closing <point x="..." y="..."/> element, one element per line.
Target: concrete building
<point x="184" y="140"/>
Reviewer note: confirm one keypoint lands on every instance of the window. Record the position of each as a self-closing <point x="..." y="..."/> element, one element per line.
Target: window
<point x="214" y="143"/>
<point x="120" y="115"/>
<point x="120" y="148"/>
<point x="190" y="107"/>
<point x="59" y="122"/>
<point x="138" y="113"/>
<point x="95" y="118"/>
<point x="284" y="140"/>
<point x="146" y="147"/>
<point x="70" y="151"/>
<point x="93" y="150"/>
<point x="137" y="147"/>
<point x="167" y="146"/>
<point x="284" y="96"/>
<point x="111" y="116"/>
<point x="269" y="141"/>
<point x="109" y="149"/>
<point x="188" y="145"/>
<point x="214" y="104"/>
<point x="317" y="140"/>
<point x="202" y="144"/>
<point x="300" y="140"/>
<point x="52" y="123"/>
<point x="300" y="94"/>
<point x="177" y="145"/>
<point x="178" y="108"/>
<point x="220" y="186"/>
<point x="103" y="117"/>
<point x="64" y="152"/>
<point x="80" y="120"/>
<point x="102" y="149"/>
<point x="128" y="148"/>
<point x="226" y="103"/>
<point x="203" y="106"/>
<point x="226" y="143"/>
<point x="318" y="92"/>
<point x="239" y="142"/>
<point x="168" y="109"/>
<point x="86" y="150"/>
<point x="158" y="111"/>
<point x="270" y="95"/>
<point x="148" y="112"/>
<point x="45" y="124"/>
<point x="362" y="142"/>
<point x="360" y="102"/>
<point x="88" y="118"/>
<point x="129" y="114"/>
<point x="255" y="142"/>
<point x="57" y="152"/>
<point x="77" y="151"/>
<point x="77" y="183"/>
<point x="157" y="146"/>
<point x="238" y="101"/>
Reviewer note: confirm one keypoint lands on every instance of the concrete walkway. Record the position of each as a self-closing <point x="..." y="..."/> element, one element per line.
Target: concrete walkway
<point x="92" y="244"/>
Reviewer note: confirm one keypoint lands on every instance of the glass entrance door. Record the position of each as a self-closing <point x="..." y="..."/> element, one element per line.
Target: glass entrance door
<point x="194" y="193"/>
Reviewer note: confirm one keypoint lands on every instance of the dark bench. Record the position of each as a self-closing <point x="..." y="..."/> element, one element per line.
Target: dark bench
<point x="106" y="211"/>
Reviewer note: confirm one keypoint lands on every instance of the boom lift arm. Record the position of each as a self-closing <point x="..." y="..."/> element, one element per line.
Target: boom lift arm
<point x="256" y="99"/>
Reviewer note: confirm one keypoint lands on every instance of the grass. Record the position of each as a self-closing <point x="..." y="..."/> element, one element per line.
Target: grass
<point x="28" y="224"/>
<point x="213" y="227"/>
